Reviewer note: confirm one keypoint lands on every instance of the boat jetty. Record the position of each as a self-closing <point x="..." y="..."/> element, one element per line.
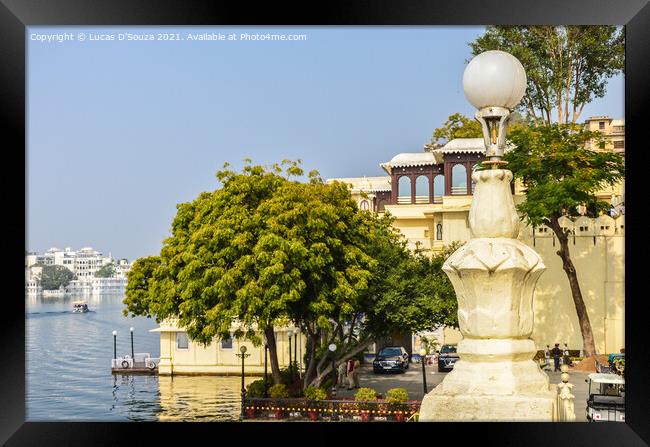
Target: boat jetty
<point x="136" y="363"/>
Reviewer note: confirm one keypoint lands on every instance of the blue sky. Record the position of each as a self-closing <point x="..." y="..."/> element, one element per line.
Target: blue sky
<point x="119" y="132"/>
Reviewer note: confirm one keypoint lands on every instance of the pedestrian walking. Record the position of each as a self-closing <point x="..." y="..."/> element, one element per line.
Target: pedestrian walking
<point x="340" y="380"/>
<point x="350" y="373"/>
<point x="556" y="352"/>
<point x="566" y="357"/>
<point x="355" y="373"/>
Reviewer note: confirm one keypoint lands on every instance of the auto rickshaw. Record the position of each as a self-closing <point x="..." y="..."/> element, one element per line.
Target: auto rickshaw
<point x="606" y="401"/>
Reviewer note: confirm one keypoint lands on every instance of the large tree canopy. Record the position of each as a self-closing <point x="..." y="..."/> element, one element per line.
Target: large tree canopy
<point x="567" y="66"/>
<point x="265" y="250"/>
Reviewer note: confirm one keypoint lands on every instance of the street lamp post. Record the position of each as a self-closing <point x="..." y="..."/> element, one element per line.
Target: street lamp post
<point x="289" y="333"/>
<point x="295" y="349"/>
<point x="132" y="354"/>
<point x="423" y="356"/>
<point x="243" y="355"/>
<point x="266" y="377"/>
<point x="332" y="349"/>
<point x="114" y="345"/>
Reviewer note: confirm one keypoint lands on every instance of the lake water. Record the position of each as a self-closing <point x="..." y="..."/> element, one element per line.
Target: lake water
<point x="68" y="370"/>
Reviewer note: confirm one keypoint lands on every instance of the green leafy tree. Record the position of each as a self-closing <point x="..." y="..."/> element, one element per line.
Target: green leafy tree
<point x="55" y="276"/>
<point x="566" y="66"/>
<point x="263" y="250"/>
<point x="560" y="173"/>
<point x="107" y="271"/>
<point x="457" y="126"/>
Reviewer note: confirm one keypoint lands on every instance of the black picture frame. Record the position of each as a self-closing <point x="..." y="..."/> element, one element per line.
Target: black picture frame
<point x="16" y="15"/>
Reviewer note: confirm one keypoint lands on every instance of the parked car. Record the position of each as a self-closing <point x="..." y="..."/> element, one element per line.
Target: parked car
<point x="391" y="358"/>
<point x="447" y="358"/>
<point x="606" y="400"/>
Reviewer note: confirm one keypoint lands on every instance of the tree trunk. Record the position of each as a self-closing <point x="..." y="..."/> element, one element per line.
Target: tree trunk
<point x="318" y="380"/>
<point x="589" y="345"/>
<point x="310" y="371"/>
<point x="273" y="354"/>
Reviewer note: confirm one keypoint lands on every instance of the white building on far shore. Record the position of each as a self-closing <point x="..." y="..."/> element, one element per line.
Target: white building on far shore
<point x="85" y="264"/>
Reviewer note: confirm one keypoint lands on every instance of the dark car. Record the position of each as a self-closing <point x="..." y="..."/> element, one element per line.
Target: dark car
<point x="391" y="358"/>
<point x="447" y="358"/>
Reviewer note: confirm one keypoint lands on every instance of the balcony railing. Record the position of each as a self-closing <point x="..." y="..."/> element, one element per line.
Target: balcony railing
<point x="459" y="190"/>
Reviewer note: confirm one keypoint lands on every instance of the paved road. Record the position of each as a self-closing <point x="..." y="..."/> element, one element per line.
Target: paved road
<point x="411" y="380"/>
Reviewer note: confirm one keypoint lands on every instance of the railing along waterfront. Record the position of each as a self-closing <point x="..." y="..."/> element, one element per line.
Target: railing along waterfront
<point x="329" y="410"/>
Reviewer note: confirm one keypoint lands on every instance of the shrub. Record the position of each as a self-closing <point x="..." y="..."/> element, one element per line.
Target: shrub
<point x="397" y="395"/>
<point x="255" y="389"/>
<point x="279" y="391"/>
<point x="365" y="394"/>
<point x="313" y="393"/>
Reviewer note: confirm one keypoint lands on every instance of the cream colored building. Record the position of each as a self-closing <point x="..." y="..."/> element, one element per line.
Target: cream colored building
<point x="180" y="355"/>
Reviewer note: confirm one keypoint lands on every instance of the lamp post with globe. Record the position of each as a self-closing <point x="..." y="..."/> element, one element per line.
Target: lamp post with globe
<point x="289" y="335"/>
<point x="332" y="349"/>
<point x="494" y="276"/>
<point x="243" y="356"/>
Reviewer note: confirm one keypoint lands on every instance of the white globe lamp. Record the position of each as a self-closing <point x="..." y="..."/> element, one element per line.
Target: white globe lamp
<point x="494" y="82"/>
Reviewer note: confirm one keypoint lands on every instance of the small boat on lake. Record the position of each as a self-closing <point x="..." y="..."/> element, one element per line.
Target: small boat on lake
<point x="79" y="307"/>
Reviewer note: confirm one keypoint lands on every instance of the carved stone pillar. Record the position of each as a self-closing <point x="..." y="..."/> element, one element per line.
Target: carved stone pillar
<point x="494" y="276"/>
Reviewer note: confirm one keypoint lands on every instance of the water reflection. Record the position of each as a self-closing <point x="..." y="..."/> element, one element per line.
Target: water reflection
<point x="200" y="398"/>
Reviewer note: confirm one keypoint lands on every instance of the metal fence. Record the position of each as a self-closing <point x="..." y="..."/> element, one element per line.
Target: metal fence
<point x="329" y="410"/>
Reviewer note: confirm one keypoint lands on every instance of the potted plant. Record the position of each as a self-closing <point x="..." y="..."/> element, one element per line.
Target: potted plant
<point x="362" y="396"/>
<point x="313" y="395"/>
<point x="396" y="398"/>
<point x="279" y="391"/>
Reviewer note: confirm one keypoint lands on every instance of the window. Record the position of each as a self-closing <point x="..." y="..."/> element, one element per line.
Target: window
<point x="380" y="205"/>
<point x="364" y="205"/>
<point x="226" y="343"/>
<point x="438" y="188"/>
<point x="619" y="144"/>
<point x="601" y="145"/>
<point x="459" y="180"/>
<point x="439" y="232"/>
<point x="182" y="342"/>
<point x="422" y="189"/>
<point x="404" y="190"/>
<point x="426" y="233"/>
<point x="601" y="125"/>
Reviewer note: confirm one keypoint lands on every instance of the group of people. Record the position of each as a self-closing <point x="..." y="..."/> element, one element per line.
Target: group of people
<point x="348" y="374"/>
<point x="559" y="356"/>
